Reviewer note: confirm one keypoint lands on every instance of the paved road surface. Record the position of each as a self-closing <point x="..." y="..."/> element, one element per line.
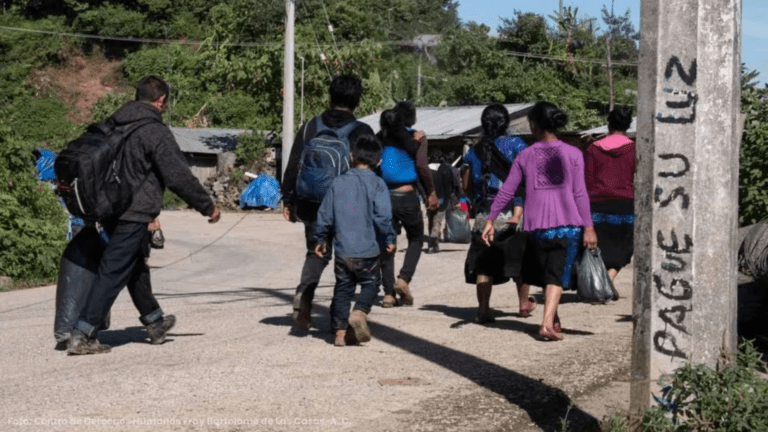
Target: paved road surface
<point x="232" y="363"/>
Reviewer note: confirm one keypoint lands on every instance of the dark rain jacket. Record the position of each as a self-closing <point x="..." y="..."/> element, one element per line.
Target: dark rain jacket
<point x="154" y="162"/>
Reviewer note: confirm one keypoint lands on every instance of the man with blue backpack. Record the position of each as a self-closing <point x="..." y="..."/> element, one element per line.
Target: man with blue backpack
<point x="319" y="154"/>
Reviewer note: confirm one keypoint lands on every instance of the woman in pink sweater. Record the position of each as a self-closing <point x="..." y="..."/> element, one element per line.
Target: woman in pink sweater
<point x="556" y="210"/>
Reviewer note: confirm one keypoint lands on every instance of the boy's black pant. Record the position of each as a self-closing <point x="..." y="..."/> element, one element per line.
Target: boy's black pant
<point x="349" y="273"/>
<point x="406" y="212"/>
<point x="123" y="263"/>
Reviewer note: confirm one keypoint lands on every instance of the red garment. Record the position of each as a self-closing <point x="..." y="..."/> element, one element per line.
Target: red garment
<point x="609" y="169"/>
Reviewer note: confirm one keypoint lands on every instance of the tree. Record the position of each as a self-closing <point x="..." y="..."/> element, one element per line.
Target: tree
<point x="753" y="168"/>
<point x="526" y="32"/>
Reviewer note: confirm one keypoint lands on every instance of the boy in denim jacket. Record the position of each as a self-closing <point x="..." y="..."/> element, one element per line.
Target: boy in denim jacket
<point x="357" y="212"/>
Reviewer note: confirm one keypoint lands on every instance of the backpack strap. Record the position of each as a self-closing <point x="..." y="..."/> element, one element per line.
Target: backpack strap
<point x="347" y="129"/>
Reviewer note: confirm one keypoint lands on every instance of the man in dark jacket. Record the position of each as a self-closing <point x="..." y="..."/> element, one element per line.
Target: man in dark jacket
<point x="153" y="162"/>
<point x="345" y="95"/>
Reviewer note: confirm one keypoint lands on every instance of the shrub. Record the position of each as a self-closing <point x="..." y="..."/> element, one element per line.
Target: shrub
<point x="233" y="110"/>
<point x="33" y="224"/>
<point x="753" y="171"/>
<point x="42" y="121"/>
<point x="108" y="104"/>
<point x="733" y="398"/>
<point x="250" y="146"/>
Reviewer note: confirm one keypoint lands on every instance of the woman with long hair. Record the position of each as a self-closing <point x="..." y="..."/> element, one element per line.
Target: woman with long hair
<point x="609" y="169"/>
<point x="557" y="214"/>
<point x="486" y="166"/>
<point x="403" y="165"/>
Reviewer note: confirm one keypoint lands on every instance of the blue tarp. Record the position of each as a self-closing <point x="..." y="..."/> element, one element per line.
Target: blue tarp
<point x="44" y="165"/>
<point x="263" y="191"/>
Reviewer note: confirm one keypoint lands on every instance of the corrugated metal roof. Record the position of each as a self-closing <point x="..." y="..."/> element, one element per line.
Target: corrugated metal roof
<point x="603" y="130"/>
<point x="449" y="122"/>
<point x="211" y="141"/>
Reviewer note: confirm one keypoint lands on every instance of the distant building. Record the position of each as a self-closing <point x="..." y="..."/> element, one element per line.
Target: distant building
<point x="207" y="150"/>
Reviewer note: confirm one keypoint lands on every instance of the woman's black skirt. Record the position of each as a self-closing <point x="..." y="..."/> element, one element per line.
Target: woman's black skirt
<point x="615" y="225"/>
<point x="501" y="261"/>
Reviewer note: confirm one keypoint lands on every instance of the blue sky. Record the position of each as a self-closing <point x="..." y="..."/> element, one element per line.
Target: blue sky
<point x="754" y="20"/>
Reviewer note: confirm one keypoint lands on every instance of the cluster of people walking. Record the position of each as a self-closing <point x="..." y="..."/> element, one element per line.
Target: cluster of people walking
<point x="536" y="207"/>
<point x="564" y="200"/>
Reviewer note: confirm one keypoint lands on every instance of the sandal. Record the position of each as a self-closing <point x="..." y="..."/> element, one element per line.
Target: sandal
<point x="526" y="312"/>
<point x="549" y="334"/>
<point x="556" y="326"/>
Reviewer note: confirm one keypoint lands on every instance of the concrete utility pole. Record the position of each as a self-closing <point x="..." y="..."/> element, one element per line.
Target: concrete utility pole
<point x="288" y="90"/>
<point x="686" y="188"/>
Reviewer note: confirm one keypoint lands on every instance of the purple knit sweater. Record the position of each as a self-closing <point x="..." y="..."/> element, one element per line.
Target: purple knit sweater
<point x="555" y="193"/>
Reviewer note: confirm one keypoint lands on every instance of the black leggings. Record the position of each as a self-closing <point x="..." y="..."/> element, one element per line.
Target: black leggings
<point x="406" y="213"/>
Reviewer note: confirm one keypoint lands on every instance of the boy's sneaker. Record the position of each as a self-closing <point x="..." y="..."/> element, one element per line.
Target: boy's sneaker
<point x="80" y="345"/>
<point x="358" y="321"/>
<point x="388" y="301"/>
<point x="341" y="336"/>
<point x="402" y="289"/>
<point x="158" y="330"/>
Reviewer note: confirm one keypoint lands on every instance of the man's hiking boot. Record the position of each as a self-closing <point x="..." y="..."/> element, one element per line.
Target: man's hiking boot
<point x="158" y="330"/>
<point x="302" y="313"/>
<point x="302" y="318"/>
<point x="388" y="301"/>
<point x="358" y="321"/>
<point x="350" y="339"/>
<point x="402" y="289"/>
<point x="80" y="345"/>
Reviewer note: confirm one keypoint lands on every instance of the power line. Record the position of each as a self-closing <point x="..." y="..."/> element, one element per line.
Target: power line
<point x="320" y="52"/>
<point x="182" y="42"/>
<point x="279" y="44"/>
<point x="544" y="57"/>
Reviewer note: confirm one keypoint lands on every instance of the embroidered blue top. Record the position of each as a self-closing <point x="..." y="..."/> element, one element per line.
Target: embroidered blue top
<point x="510" y="146"/>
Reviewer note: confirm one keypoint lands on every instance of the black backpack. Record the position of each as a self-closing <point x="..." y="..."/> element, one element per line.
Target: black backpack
<point x="89" y="171"/>
<point x="325" y="157"/>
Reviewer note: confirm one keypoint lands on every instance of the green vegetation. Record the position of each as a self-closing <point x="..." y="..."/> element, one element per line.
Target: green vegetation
<point x="753" y="172"/>
<point x="731" y="398"/>
<point x="225" y="61"/>
<point x="32" y="223"/>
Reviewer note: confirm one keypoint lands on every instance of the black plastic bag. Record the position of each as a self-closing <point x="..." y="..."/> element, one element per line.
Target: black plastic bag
<point x="593" y="283"/>
<point x="457" y="229"/>
<point x="79" y="268"/>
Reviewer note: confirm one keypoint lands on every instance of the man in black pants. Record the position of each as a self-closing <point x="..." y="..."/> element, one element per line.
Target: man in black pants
<point x="345" y="95"/>
<point x="153" y="162"/>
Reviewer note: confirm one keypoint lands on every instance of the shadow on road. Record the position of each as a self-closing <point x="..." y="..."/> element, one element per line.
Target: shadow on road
<point x="116" y="338"/>
<point x="467" y="316"/>
<point x="545" y="405"/>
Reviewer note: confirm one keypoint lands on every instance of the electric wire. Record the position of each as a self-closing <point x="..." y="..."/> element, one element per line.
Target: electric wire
<point x="317" y="42"/>
<point x="330" y="27"/>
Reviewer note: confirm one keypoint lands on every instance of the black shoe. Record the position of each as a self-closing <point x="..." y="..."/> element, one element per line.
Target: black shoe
<point x="433" y="245"/>
<point x="158" y="330"/>
<point x="80" y="345"/>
